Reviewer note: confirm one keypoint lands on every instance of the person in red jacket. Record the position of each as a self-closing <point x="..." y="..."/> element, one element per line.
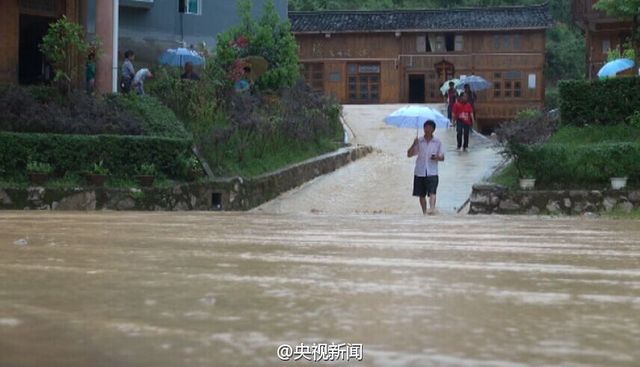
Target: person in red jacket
<point x="464" y="117"/>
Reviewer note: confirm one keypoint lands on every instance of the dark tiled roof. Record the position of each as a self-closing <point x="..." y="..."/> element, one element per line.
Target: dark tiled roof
<point x="493" y="18"/>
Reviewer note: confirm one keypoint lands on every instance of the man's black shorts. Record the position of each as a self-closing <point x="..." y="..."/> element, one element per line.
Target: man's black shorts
<point x="425" y="186"/>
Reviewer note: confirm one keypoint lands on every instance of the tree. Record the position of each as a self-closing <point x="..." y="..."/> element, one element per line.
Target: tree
<point x="624" y="9"/>
<point x="268" y="37"/>
<point x="63" y="41"/>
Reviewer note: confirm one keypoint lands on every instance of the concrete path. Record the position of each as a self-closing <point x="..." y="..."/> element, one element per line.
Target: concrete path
<point x="382" y="182"/>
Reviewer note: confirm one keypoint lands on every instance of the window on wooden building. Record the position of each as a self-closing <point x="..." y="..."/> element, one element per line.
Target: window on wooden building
<point x="363" y="84"/>
<point x="507" y="84"/>
<point x="517" y="41"/>
<point x="439" y="43"/>
<point x="423" y="44"/>
<point x="459" y="43"/>
<point x="313" y="74"/>
<point x="449" y="42"/>
<point x="606" y="46"/>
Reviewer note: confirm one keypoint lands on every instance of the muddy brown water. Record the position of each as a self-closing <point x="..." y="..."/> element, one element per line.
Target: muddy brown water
<point x="204" y="289"/>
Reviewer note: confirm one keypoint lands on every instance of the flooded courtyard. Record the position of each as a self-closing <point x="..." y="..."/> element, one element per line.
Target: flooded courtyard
<point x="204" y="289"/>
<point x="382" y="181"/>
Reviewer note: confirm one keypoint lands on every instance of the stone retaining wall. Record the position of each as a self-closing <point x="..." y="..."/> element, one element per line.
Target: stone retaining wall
<point x="496" y="199"/>
<point x="233" y="193"/>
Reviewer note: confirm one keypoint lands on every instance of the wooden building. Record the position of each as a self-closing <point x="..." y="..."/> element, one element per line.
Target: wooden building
<point x="23" y="23"/>
<point x="404" y="56"/>
<point x="602" y="33"/>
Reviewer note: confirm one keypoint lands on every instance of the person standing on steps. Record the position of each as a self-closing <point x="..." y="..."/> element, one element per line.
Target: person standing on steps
<point x="428" y="151"/>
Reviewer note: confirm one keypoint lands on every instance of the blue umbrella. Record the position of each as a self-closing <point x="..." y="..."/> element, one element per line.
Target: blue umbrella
<point x="613" y="67"/>
<point x="414" y="117"/>
<point x="180" y="56"/>
<point x="475" y="82"/>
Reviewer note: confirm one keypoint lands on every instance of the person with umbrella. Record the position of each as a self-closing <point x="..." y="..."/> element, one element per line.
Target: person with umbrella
<point x="428" y="152"/>
<point x="471" y="96"/>
<point x="189" y="74"/>
<point x="465" y="117"/>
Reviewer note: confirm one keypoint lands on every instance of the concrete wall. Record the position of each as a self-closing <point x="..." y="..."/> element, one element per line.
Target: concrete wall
<point x="496" y="199"/>
<point x="234" y="193"/>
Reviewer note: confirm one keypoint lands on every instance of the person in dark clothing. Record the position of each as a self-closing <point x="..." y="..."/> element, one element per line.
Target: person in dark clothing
<point x="189" y="74"/>
<point x="452" y="96"/>
<point x="128" y="71"/>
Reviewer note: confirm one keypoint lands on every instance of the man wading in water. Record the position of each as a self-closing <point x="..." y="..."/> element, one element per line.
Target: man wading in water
<point x="428" y="150"/>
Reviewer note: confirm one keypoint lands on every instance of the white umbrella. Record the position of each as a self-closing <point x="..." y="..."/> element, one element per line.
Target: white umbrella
<point x="476" y="83"/>
<point x="414" y="117"/>
<point x="445" y="86"/>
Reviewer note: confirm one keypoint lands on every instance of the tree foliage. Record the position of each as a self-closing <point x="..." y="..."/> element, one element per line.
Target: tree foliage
<point x="268" y="37"/>
<point x="624" y="9"/>
<point x="63" y="41"/>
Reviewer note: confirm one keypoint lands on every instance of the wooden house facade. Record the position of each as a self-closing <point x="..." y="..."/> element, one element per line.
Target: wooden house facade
<point x="405" y="56"/>
<point x="602" y="33"/>
<point x="23" y="23"/>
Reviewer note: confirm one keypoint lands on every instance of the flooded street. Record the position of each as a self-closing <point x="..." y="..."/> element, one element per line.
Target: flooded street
<point x="382" y="182"/>
<point x="203" y="289"/>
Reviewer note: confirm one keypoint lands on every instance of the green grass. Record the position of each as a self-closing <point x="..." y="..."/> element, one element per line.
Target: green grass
<point x="619" y="214"/>
<point x="595" y="134"/>
<point x="276" y="159"/>
<point x="506" y="176"/>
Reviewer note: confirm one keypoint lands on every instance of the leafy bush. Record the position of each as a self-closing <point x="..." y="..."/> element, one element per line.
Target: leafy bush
<point x="59" y="45"/>
<point x="581" y="165"/>
<point x="158" y="119"/>
<point x="146" y="169"/>
<point x="39" y="167"/>
<point x="530" y="128"/>
<point x="45" y="110"/>
<point x="70" y="153"/>
<point x="551" y="98"/>
<point x="608" y="101"/>
<point x="634" y="120"/>
<point x="99" y="169"/>
<point x="268" y="37"/>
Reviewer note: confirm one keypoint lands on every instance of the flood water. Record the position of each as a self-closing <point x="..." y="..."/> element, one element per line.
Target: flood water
<point x="226" y="289"/>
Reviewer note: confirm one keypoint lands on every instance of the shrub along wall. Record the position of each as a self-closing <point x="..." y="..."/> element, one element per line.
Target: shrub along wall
<point x="75" y="153"/>
<point x="578" y="165"/>
<point x="606" y="102"/>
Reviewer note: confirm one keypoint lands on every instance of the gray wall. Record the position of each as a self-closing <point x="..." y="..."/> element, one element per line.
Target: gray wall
<point x="150" y="31"/>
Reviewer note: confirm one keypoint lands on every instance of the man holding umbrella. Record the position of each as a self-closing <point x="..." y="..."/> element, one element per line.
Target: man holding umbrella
<point x="429" y="152"/>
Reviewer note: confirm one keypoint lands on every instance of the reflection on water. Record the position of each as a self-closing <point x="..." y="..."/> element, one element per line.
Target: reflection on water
<point x="200" y="289"/>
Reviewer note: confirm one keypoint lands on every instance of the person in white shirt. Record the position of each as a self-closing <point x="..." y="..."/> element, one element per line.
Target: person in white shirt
<point x="138" y="80"/>
<point x="428" y="151"/>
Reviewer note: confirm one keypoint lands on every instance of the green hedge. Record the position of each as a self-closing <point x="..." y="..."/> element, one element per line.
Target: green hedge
<point x="158" y="119"/>
<point x="76" y="153"/>
<point x="576" y="165"/>
<point x="604" y="102"/>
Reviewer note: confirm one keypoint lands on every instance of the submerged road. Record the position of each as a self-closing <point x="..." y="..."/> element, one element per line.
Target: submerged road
<point x="382" y="182"/>
<point x="202" y="289"/>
